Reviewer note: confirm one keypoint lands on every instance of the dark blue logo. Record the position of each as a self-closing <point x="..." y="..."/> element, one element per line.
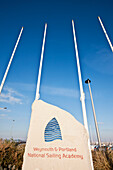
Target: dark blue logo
<point x="52" y="131"/>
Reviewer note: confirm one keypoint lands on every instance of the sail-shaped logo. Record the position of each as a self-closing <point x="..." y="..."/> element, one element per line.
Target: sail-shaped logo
<point x="52" y="131"/>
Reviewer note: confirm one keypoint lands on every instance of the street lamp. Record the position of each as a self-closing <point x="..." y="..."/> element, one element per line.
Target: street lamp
<point x="94" y="114"/>
<point x="2" y="108"/>
<point x="12" y="129"/>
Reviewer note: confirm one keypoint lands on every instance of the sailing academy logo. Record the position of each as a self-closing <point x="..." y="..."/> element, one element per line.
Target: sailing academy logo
<point x="52" y="131"/>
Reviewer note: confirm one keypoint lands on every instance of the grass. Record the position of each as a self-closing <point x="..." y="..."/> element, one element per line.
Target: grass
<point x="11" y="154"/>
<point x="100" y="160"/>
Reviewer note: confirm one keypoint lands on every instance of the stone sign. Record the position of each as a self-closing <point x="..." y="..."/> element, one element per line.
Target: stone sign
<point x="56" y="140"/>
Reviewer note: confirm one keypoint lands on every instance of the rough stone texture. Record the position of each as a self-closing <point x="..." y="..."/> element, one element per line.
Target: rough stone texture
<point x="74" y="136"/>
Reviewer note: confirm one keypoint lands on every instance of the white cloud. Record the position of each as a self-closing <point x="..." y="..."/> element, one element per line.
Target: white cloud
<point x="100" y="123"/>
<point x="101" y="60"/>
<point x="48" y="89"/>
<point x="3" y="115"/>
<point x="11" y="96"/>
<point x="11" y="91"/>
<point x="60" y="91"/>
<point x="23" y="86"/>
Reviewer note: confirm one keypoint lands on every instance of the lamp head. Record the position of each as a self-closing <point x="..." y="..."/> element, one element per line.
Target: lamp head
<point x="88" y="81"/>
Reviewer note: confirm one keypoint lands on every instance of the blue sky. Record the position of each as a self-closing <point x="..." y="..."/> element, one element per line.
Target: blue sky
<point x="59" y="83"/>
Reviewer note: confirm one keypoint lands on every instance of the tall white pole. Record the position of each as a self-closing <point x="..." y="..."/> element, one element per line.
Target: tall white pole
<point x="105" y="33"/>
<point x="80" y="81"/>
<point x="9" y="64"/>
<point x="82" y="93"/>
<point x="40" y="67"/>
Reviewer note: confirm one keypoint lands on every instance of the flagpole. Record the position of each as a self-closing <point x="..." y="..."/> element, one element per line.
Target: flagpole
<point x="80" y="81"/>
<point x="9" y="64"/>
<point x="82" y="98"/>
<point x="105" y="33"/>
<point x="40" y="67"/>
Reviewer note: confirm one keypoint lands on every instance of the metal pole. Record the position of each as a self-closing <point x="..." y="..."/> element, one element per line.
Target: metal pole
<point x="9" y="64"/>
<point x="40" y="68"/>
<point x="82" y="93"/>
<point x="94" y="114"/>
<point x="12" y="129"/>
<point x="91" y="134"/>
<point x="105" y="34"/>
